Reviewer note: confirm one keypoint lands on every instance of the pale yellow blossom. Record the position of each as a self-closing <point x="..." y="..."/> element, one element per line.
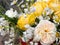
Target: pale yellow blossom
<point x="46" y="32"/>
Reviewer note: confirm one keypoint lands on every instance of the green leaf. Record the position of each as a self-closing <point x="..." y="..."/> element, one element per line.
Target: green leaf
<point x="37" y="20"/>
<point x="1" y="9"/>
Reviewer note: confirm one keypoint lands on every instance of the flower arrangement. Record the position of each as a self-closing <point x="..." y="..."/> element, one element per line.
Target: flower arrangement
<point x="38" y="24"/>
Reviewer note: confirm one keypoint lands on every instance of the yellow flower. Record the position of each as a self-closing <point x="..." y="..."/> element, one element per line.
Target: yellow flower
<point x="21" y="22"/>
<point x="57" y="17"/>
<point x="57" y="34"/>
<point x="29" y="19"/>
<point x="39" y="8"/>
<point x="54" y="5"/>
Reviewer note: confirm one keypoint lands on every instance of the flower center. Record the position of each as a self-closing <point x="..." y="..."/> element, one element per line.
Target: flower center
<point x="46" y="30"/>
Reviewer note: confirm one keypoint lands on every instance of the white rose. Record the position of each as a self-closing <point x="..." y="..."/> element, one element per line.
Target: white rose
<point x="46" y="32"/>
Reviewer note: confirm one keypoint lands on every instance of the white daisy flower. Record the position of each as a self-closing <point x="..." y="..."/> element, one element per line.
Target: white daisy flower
<point x="46" y="32"/>
<point x="10" y="13"/>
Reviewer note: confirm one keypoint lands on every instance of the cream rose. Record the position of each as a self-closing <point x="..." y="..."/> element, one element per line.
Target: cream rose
<point x="45" y="32"/>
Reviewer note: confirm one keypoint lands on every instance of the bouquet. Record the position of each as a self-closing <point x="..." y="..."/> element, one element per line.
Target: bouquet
<point x="37" y="24"/>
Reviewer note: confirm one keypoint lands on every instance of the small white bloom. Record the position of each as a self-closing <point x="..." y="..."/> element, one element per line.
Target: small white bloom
<point x="22" y="6"/>
<point x="43" y="0"/>
<point x="35" y="43"/>
<point x="24" y="33"/>
<point x="10" y="13"/>
<point x="46" y="32"/>
<point x="4" y="27"/>
<point x="11" y="35"/>
<point x="40" y="17"/>
<point x="27" y="4"/>
<point x="14" y="2"/>
<point x="47" y="11"/>
<point x="23" y="39"/>
<point x="6" y="42"/>
<point x="32" y="9"/>
<point x="26" y="10"/>
<point x="27" y="26"/>
<point x="3" y="33"/>
<point x="56" y="19"/>
<point x="10" y="44"/>
<point x="27" y="0"/>
<point x="28" y="34"/>
<point x="31" y="43"/>
<point x="39" y="0"/>
<point x="36" y="38"/>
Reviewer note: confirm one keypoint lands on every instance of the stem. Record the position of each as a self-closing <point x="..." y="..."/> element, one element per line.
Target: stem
<point x="20" y="9"/>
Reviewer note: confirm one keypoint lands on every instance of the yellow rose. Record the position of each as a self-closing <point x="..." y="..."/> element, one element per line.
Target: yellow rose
<point x="29" y="19"/>
<point x="54" y="5"/>
<point x="39" y="8"/>
<point x="21" y="22"/>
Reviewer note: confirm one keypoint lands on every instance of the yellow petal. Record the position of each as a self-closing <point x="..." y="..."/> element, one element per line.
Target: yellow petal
<point x="30" y="19"/>
<point x="39" y="7"/>
<point x="54" y="5"/>
<point x="22" y="22"/>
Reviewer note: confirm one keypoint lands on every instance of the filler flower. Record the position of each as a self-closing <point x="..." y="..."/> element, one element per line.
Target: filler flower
<point x="45" y="32"/>
<point x="14" y="2"/>
<point x="10" y="13"/>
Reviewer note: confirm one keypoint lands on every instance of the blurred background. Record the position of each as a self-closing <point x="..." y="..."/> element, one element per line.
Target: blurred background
<point x="6" y="4"/>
